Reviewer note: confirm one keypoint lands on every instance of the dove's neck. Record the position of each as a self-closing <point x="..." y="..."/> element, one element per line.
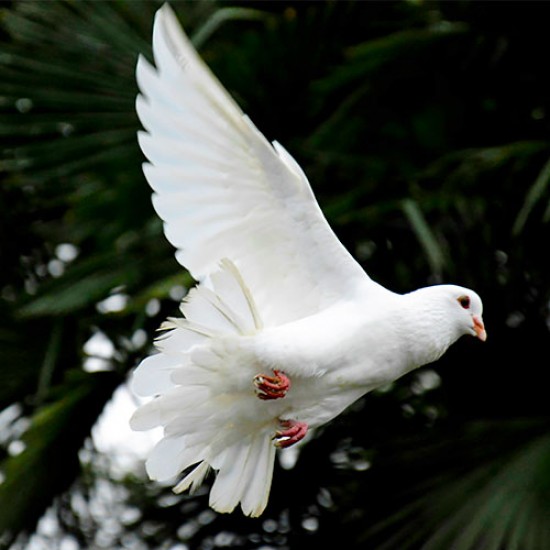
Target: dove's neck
<point x="428" y="327"/>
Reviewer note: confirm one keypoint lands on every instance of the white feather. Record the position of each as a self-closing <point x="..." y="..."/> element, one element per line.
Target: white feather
<point x="182" y="338"/>
<point x="228" y="487"/>
<point x="163" y="409"/>
<point x="259" y="474"/>
<point x="193" y="480"/>
<point x="169" y="457"/>
<point x="153" y="376"/>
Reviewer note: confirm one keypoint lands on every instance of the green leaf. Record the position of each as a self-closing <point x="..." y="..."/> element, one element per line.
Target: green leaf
<point x="221" y="16"/>
<point x="160" y="289"/>
<point x="487" y="488"/>
<point x="534" y="195"/>
<point x="49" y="462"/>
<point x="379" y="54"/>
<point x="434" y="253"/>
<point x="83" y="285"/>
<point x="20" y="361"/>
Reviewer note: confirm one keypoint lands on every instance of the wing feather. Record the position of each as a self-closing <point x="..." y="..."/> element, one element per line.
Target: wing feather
<point x="224" y="191"/>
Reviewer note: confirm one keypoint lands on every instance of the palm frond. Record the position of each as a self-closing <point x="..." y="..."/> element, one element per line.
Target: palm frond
<point x="409" y="122"/>
<point x="46" y="460"/>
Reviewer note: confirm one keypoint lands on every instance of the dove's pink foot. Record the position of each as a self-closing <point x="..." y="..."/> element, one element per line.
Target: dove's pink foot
<point x="292" y="432"/>
<point x="272" y="387"/>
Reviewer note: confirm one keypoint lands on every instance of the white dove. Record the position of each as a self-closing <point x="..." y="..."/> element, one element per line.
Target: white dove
<point x="285" y="329"/>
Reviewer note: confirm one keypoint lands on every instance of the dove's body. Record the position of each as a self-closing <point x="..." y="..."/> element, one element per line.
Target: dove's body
<point x="376" y="345"/>
<point x="278" y="292"/>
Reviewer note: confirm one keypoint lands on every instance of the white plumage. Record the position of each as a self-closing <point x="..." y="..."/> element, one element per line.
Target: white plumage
<point x="277" y="292"/>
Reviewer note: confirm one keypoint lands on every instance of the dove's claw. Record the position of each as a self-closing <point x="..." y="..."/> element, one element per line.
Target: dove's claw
<point x="293" y="432"/>
<point x="272" y="387"/>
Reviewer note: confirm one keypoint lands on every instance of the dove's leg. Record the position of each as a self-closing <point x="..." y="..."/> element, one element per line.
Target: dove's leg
<point x="272" y="387"/>
<point x="292" y="431"/>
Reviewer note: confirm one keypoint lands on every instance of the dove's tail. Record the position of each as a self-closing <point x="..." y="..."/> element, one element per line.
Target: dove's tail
<point x="205" y="398"/>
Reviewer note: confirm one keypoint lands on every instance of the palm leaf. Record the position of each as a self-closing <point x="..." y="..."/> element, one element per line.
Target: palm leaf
<point x="49" y="461"/>
<point x="483" y="486"/>
<point x="403" y="116"/>
<point x="20" y="362"/>
<point x="537" y="191"/>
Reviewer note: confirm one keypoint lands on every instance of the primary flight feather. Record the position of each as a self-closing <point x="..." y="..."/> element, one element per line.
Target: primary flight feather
<point x="284" y="329"/>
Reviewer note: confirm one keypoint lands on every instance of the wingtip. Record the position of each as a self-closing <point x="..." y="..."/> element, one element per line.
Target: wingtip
<point x="166" y="22"/>
<point x="164" y="11"/>
<point x="167" y="9"/>
<point x="170" y="43"/>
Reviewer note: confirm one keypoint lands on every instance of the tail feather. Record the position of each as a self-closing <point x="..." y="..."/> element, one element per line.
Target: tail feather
<point x="165" y="408"/>
<point x="259" y="476"/>
<point x="169" y="457"/>
<point x="193" y="480"/>
<point x="205" y="400"/>
<point x="227" y="489"/>
<point x="245" y="476"/>
<point x="155" y="374"/>
<point x="205" y="308"/>
<point x="182" y="335"/>
<point x="191" y="375"/>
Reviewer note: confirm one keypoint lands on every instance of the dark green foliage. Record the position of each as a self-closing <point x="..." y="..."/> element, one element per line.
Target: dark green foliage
<point x="423" y="127"/>
<point x="49" y="461"/>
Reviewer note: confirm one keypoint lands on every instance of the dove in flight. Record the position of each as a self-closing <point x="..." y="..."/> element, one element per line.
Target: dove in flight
<point x="284" y="329"/>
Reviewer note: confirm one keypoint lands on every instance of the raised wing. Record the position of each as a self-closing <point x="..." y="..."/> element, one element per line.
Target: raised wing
<point x="224" y="191"/>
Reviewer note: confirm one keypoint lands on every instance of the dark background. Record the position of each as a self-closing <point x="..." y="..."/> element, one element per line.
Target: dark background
<point x="424" y="130"/>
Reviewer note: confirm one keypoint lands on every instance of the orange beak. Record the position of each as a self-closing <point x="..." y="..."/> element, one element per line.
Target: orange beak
<point x="479" y="328"/>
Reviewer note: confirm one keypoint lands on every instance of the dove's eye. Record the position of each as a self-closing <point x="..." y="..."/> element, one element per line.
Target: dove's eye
<point x="464" y="301"/>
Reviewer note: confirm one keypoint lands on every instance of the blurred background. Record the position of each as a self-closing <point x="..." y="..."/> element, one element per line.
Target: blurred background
<point x="424" y="128"/>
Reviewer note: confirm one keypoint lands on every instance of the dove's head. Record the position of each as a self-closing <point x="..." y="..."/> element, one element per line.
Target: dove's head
<point x="463" y="308"/>
<point x="449" y="312"/>
<point x="468" y="311"/>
